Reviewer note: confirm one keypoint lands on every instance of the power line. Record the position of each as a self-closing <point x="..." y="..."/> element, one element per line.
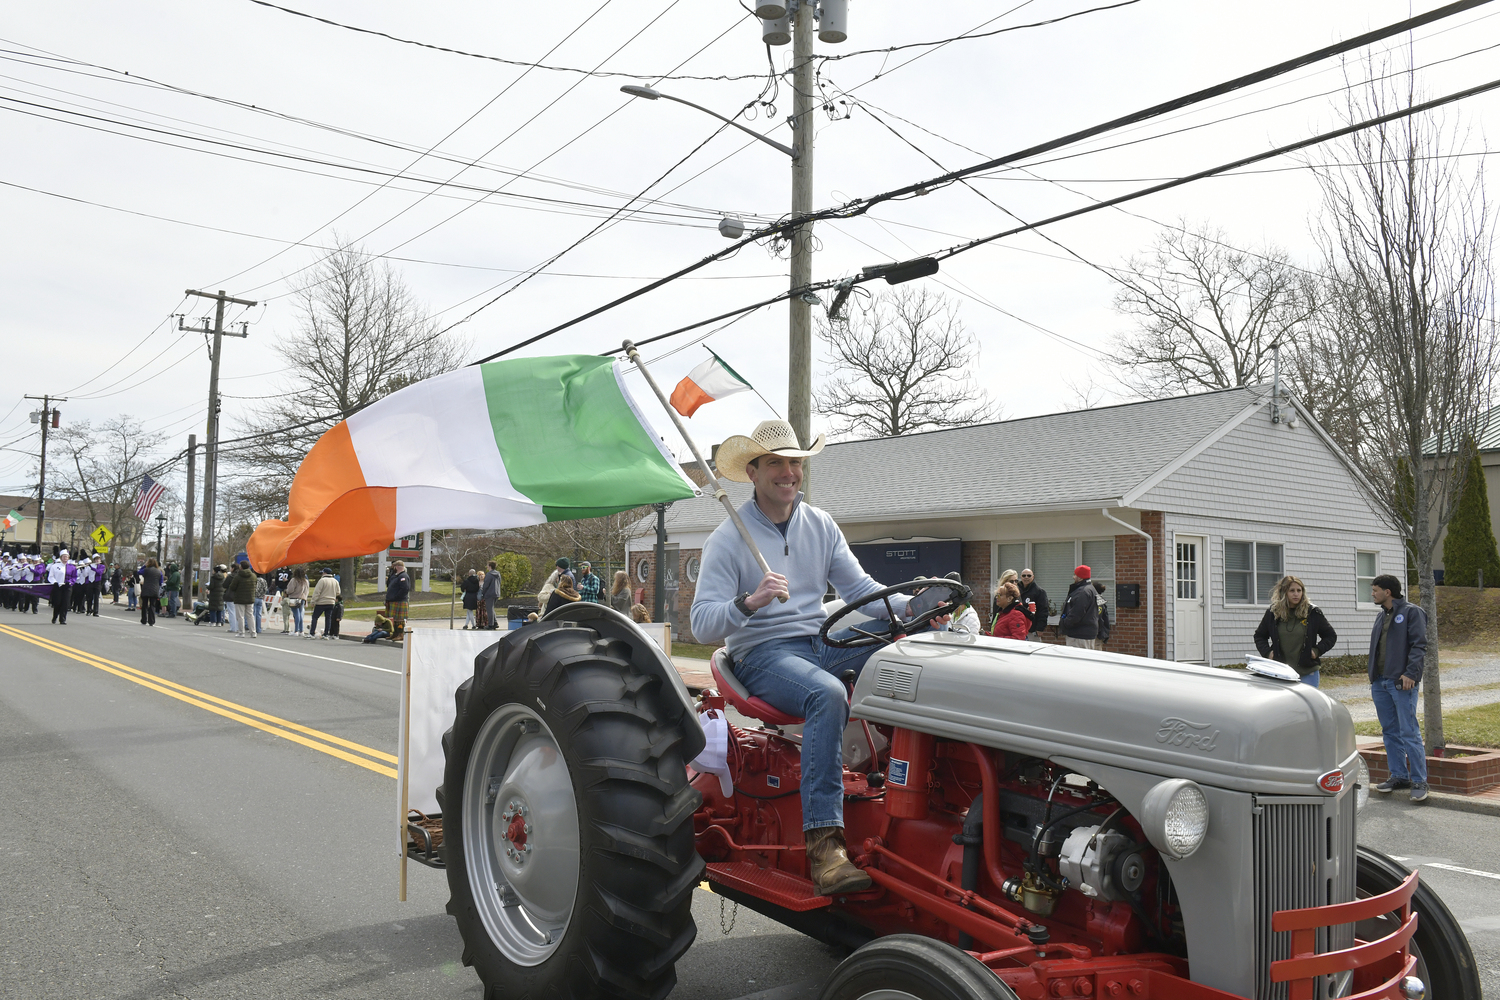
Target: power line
<point x="539" y="268"/>
<point x="120" y="76"/>
<point x="445" y="138"/>
<point x="861" y="206"/>
<point x="549" y="106"/>
<point x="595" y="72"/>
<point x="972" y="244"/>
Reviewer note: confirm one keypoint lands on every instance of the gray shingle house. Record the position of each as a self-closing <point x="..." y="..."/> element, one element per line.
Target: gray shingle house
<point x="1188" y="508"/>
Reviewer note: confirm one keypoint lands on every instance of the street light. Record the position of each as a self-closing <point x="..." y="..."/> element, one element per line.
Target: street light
<point x="652" y="94"/>
<point x="72" y="535"/>
<point x="161" y="523"/>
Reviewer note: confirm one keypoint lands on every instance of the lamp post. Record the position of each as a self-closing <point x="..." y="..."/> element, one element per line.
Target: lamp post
<point x="800" y="315"/>
<point x="72" y="535"/>
<point x="161" y="524"/>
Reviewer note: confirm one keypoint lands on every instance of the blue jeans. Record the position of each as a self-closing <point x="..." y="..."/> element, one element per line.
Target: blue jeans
<point x="1397" y="711"/>
<point x="258" y="603"/>
<point x="171" y="604"/>
<point x="800" y="677"/>
<point x="297" y="618"/>
<point x="1313" y="678"/>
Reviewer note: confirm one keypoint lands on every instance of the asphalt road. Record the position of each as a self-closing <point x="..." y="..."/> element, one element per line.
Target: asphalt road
<point x="160" y="844"/>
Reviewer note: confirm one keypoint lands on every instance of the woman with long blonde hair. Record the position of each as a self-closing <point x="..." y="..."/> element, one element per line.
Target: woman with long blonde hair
<point x="1295" y="631"/>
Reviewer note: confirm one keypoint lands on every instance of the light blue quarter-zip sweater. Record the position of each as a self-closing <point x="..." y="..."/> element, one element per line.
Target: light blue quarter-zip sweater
<point x="813" y="555"/>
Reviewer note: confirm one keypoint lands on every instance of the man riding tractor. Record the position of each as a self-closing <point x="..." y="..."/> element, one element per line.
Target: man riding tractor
<point x="769" y="623"/>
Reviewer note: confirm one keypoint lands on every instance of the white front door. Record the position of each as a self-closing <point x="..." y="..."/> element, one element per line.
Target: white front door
<point x="1188" y="607"/>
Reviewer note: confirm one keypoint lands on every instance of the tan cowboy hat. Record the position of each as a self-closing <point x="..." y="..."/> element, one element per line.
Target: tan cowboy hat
<point x="770" y="437"/>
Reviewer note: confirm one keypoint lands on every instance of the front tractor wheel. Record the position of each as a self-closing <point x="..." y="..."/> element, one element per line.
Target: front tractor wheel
<point x="910" y="967"/>
<point x="1445" y="962"/>
<point x="571" y="859"/>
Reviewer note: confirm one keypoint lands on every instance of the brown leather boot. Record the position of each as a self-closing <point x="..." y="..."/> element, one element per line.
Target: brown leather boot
<point x="828" y="862"/>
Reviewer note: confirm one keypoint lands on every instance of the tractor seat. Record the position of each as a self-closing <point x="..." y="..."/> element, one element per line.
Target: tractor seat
<point x="743" y="701"/>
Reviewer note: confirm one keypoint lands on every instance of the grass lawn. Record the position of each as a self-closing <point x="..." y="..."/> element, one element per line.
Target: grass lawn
<point x="1475" y="727"/>
<point x="369" y="592"/>
<point x="692" y="649"/>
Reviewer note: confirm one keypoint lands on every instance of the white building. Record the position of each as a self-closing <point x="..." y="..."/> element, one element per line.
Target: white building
<point x="1230" y="500"/>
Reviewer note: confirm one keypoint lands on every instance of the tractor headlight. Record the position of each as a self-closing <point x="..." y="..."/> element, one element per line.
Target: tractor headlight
<point x="1174" y="816"/>
<point x="1361" y="782"/>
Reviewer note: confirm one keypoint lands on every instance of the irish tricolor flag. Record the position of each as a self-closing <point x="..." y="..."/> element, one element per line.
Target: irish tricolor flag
<point x="498" y="445"/>
<point x="709" y="381"/>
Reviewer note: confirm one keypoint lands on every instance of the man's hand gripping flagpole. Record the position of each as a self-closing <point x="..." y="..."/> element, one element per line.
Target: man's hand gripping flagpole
<point x="720" y="493"/>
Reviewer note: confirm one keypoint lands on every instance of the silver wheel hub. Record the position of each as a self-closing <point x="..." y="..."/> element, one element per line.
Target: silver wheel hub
<point x="520" y="832"/>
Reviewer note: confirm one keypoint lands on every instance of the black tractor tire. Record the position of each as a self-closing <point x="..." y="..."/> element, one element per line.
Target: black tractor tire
<point x="919" y="967"/>
<point x="636" y="866"/>
<point x="1445" y="962"/>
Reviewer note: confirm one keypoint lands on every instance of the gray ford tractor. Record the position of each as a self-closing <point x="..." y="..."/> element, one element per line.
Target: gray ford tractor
<point x="1039" y="822"/>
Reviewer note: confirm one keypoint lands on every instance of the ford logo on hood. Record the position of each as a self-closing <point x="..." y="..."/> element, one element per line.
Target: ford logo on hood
<point x="1333" y="781"/>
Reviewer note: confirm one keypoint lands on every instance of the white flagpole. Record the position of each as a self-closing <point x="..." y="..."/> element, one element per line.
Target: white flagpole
<point x="720" y="494"/>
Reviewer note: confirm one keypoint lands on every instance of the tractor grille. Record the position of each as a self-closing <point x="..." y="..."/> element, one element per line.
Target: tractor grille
<point x="1304" y="856"/>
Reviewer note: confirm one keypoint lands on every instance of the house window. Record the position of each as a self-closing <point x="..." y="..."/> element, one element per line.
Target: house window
<point x="1366" y="568"/>
<point x="1251" y="570"/>
<point x="1187" y="571"/>
<point x="1099" y="557"/>
<point x="1008" y="555"/>
<point x="1054" y="562"/>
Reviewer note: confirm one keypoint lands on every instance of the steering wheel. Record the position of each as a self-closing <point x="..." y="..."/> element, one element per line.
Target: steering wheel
<point x="958" y="594"/>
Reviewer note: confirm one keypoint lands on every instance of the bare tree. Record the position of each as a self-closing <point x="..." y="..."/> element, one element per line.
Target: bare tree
<point x="102" y="467"/>
<point x="1407" y="229"/>
<point x="1325" y="366"/>
<point x="1086" y="393"/>
<point x="901" y="363"/>
<point x="1207" y="314"/>
<point x="361" y="335"/>
<point x="457" y="552"/>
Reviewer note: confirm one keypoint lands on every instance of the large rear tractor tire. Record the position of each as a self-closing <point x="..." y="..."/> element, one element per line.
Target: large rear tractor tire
<point x="569" y="833"/>
<point x="1445" y="962"/>
<point x="910" y="967"/>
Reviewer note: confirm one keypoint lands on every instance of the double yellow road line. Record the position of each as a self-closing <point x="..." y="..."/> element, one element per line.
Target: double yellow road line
<point x="322" y="742"/>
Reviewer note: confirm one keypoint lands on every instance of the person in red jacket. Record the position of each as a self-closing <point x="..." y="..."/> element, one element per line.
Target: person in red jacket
<point x="1010" y="621"/>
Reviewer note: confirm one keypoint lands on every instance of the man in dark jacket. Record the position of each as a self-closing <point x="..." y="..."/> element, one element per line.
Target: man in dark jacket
<point x="1080" y="614"/>
<point x="489" y="594"/>
<point x="173" y="588"/>
<point x="241" y="590"/>
<point x="1398" y="647"/>
<point x="1034" y="602"/>
<point x="397" y="596"/>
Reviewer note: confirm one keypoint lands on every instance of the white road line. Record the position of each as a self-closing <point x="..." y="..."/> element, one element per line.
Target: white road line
<point x="1466" y="871"/>
<point x="255" y="644"/>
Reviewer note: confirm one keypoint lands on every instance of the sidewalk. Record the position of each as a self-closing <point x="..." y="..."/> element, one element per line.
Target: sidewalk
<point x="1486" y="802"/>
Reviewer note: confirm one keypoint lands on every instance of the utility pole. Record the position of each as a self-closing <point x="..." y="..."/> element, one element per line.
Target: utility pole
<point x="799" y="311"/>
<point x="211" y="446"/>
<point x="659" y="612"/>
<point x="47" y="416"/>
<point x="189" y="571"/>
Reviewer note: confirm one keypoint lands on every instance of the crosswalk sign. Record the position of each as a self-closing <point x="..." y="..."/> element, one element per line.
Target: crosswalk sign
<point x="101" y="535"/>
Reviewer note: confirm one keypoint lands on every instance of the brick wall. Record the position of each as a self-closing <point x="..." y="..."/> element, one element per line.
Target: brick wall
<point x="685" y="588"/>
<point x="1129" y="635"/>
<point x="974" y="564"/>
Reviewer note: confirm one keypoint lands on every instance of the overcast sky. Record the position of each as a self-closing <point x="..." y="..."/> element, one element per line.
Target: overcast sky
<point x="205" y="194"/>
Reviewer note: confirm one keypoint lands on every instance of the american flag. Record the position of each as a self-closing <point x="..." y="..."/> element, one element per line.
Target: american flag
<point x="146" y="499"/>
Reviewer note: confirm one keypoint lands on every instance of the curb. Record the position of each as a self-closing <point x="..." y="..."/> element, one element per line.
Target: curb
<point x="1463" y="803"/>
<point x="361" y="640"/>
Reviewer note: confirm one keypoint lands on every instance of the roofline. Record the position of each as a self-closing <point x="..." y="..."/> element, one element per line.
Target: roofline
<point x="1067" y="507"/>
<point x="1043" y="416"/>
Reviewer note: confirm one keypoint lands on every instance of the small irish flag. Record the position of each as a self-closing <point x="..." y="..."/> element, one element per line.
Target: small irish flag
<point x="498" y="445"/>
<point x="11" y="520"/>
<point x="709" y="381"/>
